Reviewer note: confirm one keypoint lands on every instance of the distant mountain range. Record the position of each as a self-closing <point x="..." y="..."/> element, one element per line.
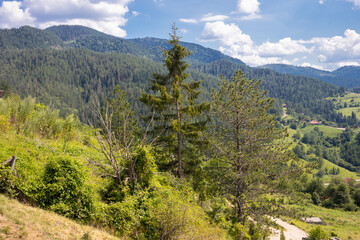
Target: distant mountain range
<point x="348" y="76"/>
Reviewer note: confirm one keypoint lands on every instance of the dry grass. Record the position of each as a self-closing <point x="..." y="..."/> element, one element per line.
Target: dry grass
<point x="18" y="221"/>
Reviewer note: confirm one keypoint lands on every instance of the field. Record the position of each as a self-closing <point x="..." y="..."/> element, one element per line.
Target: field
<point x="328" y="131"/>
<point x="350" y="99"/>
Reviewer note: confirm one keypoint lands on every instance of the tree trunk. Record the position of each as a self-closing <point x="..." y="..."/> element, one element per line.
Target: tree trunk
<point x="179" y="140"/>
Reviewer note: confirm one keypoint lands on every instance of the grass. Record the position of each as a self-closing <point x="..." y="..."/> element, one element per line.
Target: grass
<point x="18" y="221"/>
<point x="328" y="131"/>
<point x="344" y="224"/>
<point x="344" y="173"/>
<point x="350" y="98"/>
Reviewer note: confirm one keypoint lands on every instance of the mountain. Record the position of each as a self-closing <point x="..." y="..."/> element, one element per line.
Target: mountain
<point x="88" y="64"/>
<point x="348" y="76"/>
<point x="83" y="37"/>
<point x="28" y="37"/>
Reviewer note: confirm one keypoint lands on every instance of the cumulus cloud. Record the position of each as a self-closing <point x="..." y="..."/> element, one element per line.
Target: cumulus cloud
<point x="284" y="47"/>
<point x="330" y="52"/>
<point x="249" y="7"/>
<point x="337" y="48"/>
<point x="11" y="15"/>
<point x="228" y="34"/>
<point x="104" y="15"/>
<point x="188" y="20"/>
<point x="212" y="18"/>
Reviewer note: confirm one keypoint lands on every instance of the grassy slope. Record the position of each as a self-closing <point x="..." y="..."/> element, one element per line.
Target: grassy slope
<point x="328" y="132"/>
<point x="345" y="224"/>
<point x="355" y="98"/>
<point x="19" y="221"/>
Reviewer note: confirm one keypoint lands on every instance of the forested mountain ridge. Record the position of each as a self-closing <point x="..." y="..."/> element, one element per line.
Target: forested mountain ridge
<point x="83" y="37"/>
<point x="348" y="76"/>
<point x="74" y="76"/>
<point x="28" y="37"/>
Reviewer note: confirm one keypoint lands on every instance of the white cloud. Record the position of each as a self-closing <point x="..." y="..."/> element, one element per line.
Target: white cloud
<point x="213" y="18"/>
<point x="11" y="15"/>
<point x="188" y="20"/>
<point x="103" y="15"/>
<point x="356" y="2"/>
<point x="250" y="8"/>
<point x="135" y="13"/>
<point x="337" y="48"/>
<point x="228" y="34"/>
<point x="321" y="1"/>
<point x="284" y="47"/>
<point x="329" y="53"/>
<point x="251" y="17"/>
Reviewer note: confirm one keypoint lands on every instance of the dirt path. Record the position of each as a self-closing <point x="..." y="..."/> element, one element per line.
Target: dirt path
<point x="291" y="232"/>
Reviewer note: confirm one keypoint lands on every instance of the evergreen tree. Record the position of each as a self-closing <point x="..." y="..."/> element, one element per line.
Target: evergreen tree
<point x="173" y="103"/>
<point x="250" y="162"/>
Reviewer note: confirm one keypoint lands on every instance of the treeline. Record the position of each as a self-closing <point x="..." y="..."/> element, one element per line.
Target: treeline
<point x="301" y="94"/>
<point x="337" y="194"/>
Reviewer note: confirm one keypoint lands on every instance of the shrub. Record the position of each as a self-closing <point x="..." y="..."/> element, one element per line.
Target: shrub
<point x="318" y="234"/>
<point x="8" y="182"/>
<point x="64" y="190"/>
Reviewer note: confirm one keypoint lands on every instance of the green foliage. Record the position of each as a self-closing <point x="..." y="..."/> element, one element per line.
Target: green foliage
<point x="35" y="119"/>
<point x="27" y="37"/>
<point x="318" y="234"/>
<point x="163" y="211"/>
<point x="282" y="236"/>
<point x="175" y="113"/>
<point x="245" y="147"/>
<point x="8" y="182"/>
<point x="64" y="190"/>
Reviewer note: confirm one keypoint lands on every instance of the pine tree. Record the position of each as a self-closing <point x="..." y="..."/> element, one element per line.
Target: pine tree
<point x="172" y="101"/>
<point x="249" y="157"/>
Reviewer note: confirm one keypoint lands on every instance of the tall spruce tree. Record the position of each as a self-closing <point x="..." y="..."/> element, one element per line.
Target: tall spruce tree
<point x="172" y="101"/>
<point x="249" y="160"/>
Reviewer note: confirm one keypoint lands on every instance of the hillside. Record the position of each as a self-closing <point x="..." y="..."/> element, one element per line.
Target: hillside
<point x="83" y="37"/>
<point x="28" y="38"/>
<point x="348" y="76"/>
<point x="72" y="77"/>
<point x="177" y="162"/>
<point x="19" y="221"/>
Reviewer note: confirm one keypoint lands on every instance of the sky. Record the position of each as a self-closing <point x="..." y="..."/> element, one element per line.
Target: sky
<point x="324" y="34"/>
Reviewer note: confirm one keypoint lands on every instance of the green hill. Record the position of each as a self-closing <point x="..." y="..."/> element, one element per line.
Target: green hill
<point x="28" y="38"/>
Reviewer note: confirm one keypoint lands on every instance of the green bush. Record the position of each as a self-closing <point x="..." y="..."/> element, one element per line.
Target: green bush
<point x="318" y="234"/>
<point x="8" y="182"/>
<point x="64" y="190"/>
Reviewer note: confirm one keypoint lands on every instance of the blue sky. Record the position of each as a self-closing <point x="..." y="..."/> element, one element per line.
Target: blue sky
<point x="320" y="33"/>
